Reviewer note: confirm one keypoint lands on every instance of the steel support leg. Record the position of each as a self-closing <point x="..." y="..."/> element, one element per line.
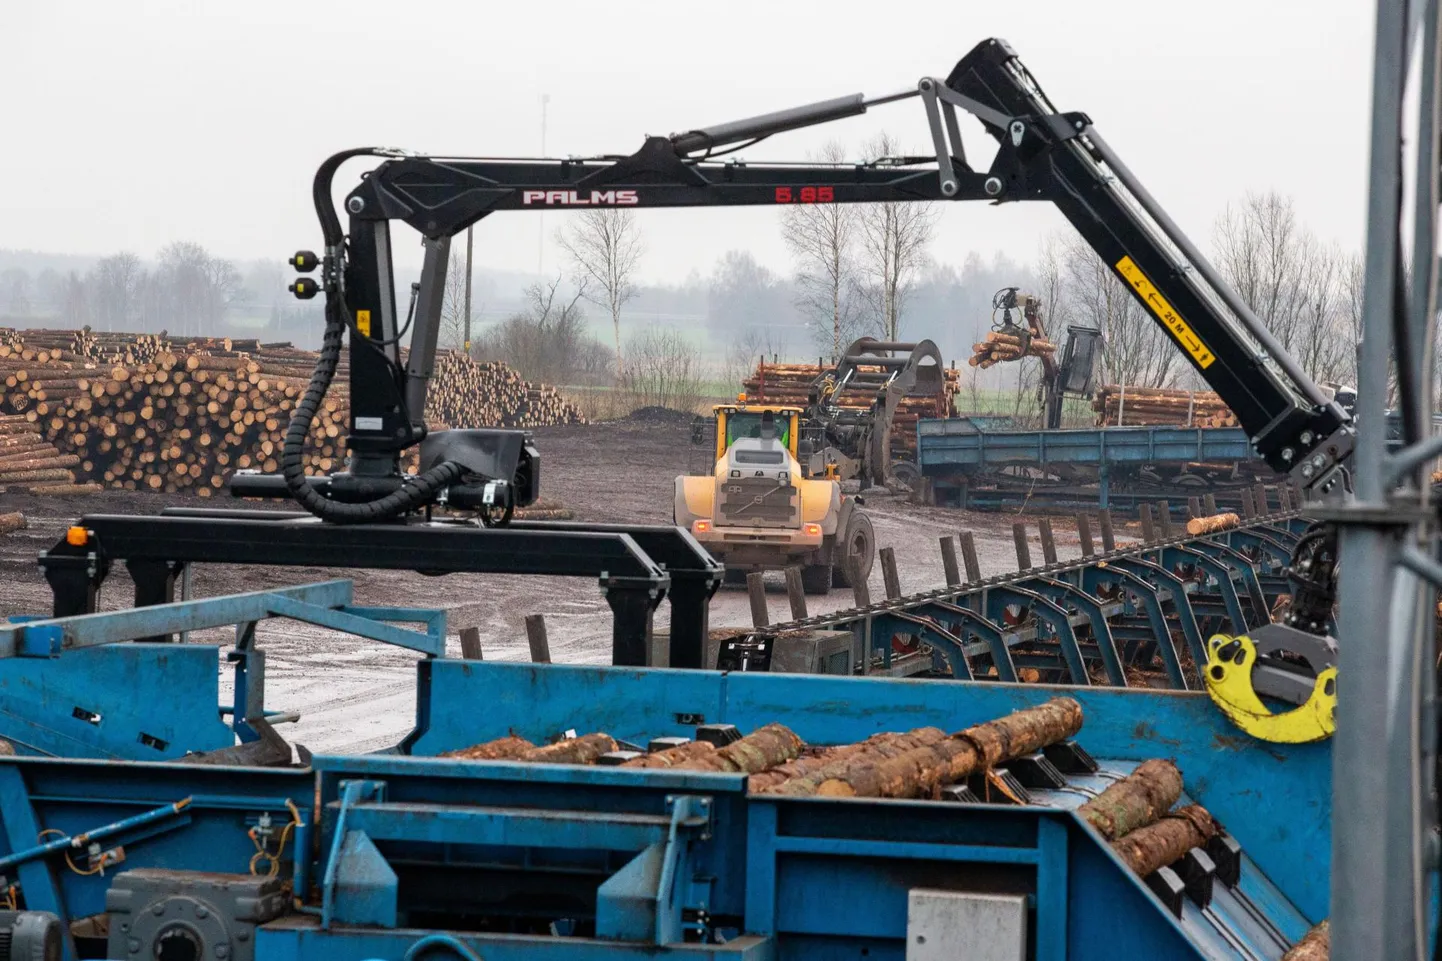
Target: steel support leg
<point x="632" y="606"/>
<point x="690" y="596"/>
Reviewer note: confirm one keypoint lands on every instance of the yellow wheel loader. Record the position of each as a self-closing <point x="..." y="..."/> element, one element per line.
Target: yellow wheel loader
<point x="758" y="509"/>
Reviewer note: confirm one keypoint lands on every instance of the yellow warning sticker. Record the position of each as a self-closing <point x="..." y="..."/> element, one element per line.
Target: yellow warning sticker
<point x="1158" y="305"/>
<point x="363" y="322"/>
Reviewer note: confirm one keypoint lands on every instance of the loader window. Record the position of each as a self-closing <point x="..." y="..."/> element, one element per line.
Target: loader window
<point x="747" y="424"/>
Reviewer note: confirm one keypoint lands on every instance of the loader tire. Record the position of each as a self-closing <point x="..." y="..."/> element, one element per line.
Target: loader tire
<point x="857" y="547"/>
<point x="816" y="578"/>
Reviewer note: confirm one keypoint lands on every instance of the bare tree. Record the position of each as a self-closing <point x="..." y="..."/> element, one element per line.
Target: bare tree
<point x="194" y="289"/>
<point x="663" y="369"/>
<point x="75" y="301"/>
<point x="119" y="280"/>
<point x="548" y="341"/>
<point x="1294" y="282"/>
<point x="17" y="288"/>
<point x="1135" y="348"/>
<point x="604" y="244"/>
<point x="822" y="237"/>
<point x="453" y="304"/>
<point x="747" y="346"/>
<point x="893" y="238"/>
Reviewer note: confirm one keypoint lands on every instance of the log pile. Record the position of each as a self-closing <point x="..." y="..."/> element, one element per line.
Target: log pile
<point x="999" y="348"/>
<point x="1120" y="405"/>
<point x="914" y="764"/>
<point x="27" y="458"/>
<point x="141" y="412"/>
<point x="1135" y="814"/>
<point x="790" y="384"/>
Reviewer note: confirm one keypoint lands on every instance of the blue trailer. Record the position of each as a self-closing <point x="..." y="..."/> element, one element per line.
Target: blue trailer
<point x="978" y="460"/>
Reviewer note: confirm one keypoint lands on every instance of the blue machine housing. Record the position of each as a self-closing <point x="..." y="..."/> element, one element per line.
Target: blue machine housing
<point x="430" y="858"/>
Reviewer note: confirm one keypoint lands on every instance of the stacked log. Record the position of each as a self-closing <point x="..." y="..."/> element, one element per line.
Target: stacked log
<point x="1119" y="405"/>
<point x="143" y="412"/>
<point x="1155" y="846"/>
<point x="1000" y="347"/>
<point x="790" y="384"/>
<point x="29" y="459"/>
<point x="912" y="764"/>
<point x="922" y="770"/>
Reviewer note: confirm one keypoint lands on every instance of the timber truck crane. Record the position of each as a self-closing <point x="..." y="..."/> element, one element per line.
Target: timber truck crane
<point x="1072" y="375"/>
<point x="1043" y="155"/>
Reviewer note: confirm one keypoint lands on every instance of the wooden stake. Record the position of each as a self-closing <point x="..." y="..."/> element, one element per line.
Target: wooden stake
<point x="1023" y="549"/>
<point x="948" y="561"/>
<point x="756" y="587"/>
<point x="969" y="558"/>
<point x="1048" y="542"/>
<point x="889" y="575"/>
<point x="1084" y="534"/>
<point x="795" y="593"/>
<point x="471" y="643"/>
<point x="536" y="637"/>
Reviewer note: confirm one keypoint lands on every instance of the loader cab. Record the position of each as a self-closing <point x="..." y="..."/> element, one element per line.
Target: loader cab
<point x="737" y="421"/>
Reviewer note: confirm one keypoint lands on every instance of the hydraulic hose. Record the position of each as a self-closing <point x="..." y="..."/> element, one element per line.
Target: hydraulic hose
<point x="415" y="493"/>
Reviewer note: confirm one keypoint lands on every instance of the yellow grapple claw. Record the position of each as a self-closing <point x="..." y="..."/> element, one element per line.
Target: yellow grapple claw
<point x="1228" y="676"/>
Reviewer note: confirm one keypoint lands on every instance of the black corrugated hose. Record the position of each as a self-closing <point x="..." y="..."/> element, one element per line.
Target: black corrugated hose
<point x="418" y="491"/>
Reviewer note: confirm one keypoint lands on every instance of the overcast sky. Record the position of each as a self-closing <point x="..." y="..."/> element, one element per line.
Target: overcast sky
<point x="132" y="124"/>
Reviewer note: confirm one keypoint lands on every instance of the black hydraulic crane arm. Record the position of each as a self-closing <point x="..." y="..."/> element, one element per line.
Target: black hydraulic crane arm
<point x="1043" y="155"/>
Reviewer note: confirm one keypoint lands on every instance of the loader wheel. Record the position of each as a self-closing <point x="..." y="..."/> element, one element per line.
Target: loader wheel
<point x="906" y="472"/>
<point x="816" y="578"/>
<point x="857" y="547"/>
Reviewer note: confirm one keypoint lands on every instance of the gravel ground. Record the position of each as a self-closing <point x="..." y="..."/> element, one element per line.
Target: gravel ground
<point x="355" y="695"/>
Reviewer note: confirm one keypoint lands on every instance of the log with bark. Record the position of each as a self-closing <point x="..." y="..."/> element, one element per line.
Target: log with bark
<point x="1135" y="801"/>
<point x="501" y="749"/>
<point x="886" y="744"/>
<point x="1154" y="846"/>
<point x="1212" y="524"/>
<point x="1316" y="945"/>
<point x="763" y="748"/>
<point x="576" y="750"/>
<point x="921" y="771"/>
<point x="673" y="757"/>
<point x="999" y="348"/>
<point x="12" y="522"/>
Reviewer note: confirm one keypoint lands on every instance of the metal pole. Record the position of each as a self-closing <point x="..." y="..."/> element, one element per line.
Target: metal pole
<point x="185" y="594"/>
<point x="466" y="345"/>
<point x="1376" y="880"/>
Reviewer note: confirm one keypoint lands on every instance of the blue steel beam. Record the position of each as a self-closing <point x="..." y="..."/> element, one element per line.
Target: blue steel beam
<point x="488" y="825"/>
<point x="1174" y="557"/>
<point x="1151" y="598"/>
<point x="430" y="642"/>
<point x="110" y="627"/>
<point x="1065" y="592"/>
<point x="1177" y="589"/>
<point x="1244" y="571"/>
<point x="1048" y="612"/>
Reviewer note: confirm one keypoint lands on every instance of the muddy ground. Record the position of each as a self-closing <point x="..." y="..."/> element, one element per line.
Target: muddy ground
<point x="355" y="695"/>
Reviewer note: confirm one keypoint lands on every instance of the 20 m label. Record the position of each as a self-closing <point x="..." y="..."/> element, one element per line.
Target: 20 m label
<point x="1158" y="305"/>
